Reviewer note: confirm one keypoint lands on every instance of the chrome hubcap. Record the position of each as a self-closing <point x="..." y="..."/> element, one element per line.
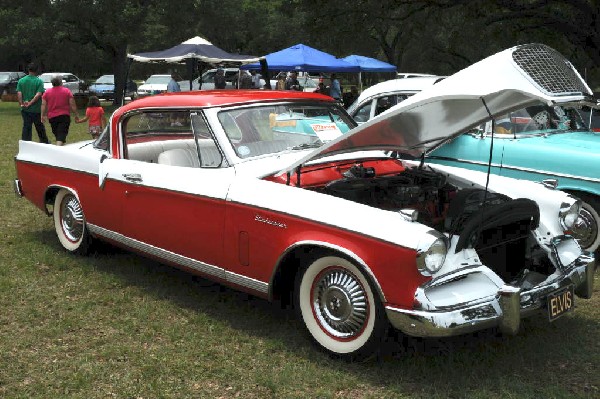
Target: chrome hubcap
<point x="72" y="218"/>
<point x="585" y="229"/>
<point x="340" y="303"/>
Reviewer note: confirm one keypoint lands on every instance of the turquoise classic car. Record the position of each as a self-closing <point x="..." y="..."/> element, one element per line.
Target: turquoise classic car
<point x="549" y="144"/>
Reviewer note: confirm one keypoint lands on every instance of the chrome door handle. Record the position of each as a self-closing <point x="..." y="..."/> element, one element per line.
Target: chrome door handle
<point x="133" y="177"/>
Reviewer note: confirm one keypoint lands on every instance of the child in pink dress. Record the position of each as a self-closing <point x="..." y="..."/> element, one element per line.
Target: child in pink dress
<point x="95" y="115"/>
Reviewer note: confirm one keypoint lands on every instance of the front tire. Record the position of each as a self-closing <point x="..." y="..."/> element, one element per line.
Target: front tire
<point x="69" y="223"/>
<point x="336" y="302"/>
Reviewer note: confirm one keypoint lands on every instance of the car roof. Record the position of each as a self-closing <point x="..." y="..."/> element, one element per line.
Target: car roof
<point x="216" y="98"/>
<point x="396" y="85"/>
<point x="57" y="73"/>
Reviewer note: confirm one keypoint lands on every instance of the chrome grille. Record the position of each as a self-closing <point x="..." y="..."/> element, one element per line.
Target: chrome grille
<point x="547" y="68"/>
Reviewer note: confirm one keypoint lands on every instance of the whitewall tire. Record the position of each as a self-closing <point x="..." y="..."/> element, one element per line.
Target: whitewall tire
<point x="339" y="308"/>
<point x="69" y="223"/>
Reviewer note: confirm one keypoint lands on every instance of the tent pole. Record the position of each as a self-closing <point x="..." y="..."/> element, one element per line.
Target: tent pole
<point x="360" y="80"/>
<point x="129" y="62"/>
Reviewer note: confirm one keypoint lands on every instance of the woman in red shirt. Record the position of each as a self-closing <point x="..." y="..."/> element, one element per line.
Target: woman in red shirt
<point x="95" y="115"/>
<point x="57" y="105"/>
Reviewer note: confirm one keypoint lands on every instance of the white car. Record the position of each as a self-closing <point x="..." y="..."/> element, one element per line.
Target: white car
<point x="70" y="81"/>
<point x="384" y="95"/>
<point x="208" y="78"/>
<point x="155" y="84"/>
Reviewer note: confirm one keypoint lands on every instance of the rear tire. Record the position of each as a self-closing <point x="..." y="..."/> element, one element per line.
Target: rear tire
<point x="69" y="223"/>
<point x="340" y="311"/>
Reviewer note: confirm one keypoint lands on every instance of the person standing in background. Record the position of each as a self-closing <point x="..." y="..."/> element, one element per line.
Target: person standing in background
<point x="173" y="86"/>
<point x="57" y="105"/>
<point x="256" y="80"/>
<point x="220" y="82"/>
<point x="291" y="83"/>
<point x="29" y="93"/>
<point x="335" y="89"/>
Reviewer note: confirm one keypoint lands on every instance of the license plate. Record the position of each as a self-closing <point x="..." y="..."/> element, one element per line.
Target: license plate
<point x="560" y="302"/>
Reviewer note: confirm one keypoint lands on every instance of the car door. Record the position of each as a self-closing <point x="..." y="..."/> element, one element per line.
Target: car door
<point x="172" y="212"/>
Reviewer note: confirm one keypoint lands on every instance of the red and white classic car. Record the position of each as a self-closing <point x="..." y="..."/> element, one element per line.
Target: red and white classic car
<point x="273" y="193"/>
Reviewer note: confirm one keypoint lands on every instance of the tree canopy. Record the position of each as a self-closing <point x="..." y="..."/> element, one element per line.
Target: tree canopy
<point x="91" y="37"/>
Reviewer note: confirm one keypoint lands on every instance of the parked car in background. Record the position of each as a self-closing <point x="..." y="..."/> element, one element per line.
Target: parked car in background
<point x="70" y="81"/>
<point x="8" y="82"/>
<point x="155" y="84"/>
<point x="104" y="88"/>
<point x="382" y="96"/>
<point x="404" y="75"/>
<point x="273" y="193"/>
<point x="538" y="143"/>
<point x="208" y="78"/>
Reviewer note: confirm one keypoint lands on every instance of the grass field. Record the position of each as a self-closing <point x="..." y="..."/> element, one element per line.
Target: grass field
<point x="116" y="325"/>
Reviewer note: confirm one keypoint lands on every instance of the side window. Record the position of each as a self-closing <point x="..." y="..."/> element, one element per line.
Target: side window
<point x="385" y="103"/>
<point x="364" y="113"/>
<point x="149" y="134"/>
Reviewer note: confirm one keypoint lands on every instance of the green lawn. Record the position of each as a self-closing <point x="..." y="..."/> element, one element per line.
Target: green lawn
<point x="116" y="325"/>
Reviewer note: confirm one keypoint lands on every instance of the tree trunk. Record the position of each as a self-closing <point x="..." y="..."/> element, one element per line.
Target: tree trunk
<point x="119" y="63"/>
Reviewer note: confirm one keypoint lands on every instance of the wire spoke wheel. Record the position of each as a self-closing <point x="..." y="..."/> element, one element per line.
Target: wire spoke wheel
<point x="69" y="222"/>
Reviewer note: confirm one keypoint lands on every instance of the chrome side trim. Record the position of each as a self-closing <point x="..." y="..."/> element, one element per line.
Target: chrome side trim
<point x="520" y="169"/>
<point x="247" y="282"/>
<point x="334" y="247"/>
<point x="204" y="268"/>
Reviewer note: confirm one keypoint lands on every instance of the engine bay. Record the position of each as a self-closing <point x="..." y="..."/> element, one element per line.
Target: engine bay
<point x="496" y="226"/>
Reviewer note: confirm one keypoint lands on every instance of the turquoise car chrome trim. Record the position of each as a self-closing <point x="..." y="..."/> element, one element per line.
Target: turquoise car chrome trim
<point x="520" y="169"/>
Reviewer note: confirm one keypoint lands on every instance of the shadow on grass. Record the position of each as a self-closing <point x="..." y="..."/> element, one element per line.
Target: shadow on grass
<point x="558" y="359"/>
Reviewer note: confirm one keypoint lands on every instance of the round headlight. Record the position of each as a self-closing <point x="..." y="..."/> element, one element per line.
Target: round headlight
<point x="568" y="214"/>
<point x="431" y="253"/>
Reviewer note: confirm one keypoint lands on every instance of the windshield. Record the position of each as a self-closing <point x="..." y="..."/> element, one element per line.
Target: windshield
<point x="46" y="78"/>
<point x="4" y="77"/>
<point x="274" y="128"/>
<point x="155" y="79"/>
<point x="537" y="119"/>
<point x="106" y="79"/>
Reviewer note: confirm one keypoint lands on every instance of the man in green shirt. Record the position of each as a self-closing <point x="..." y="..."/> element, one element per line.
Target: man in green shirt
<point x="29" y="92"/>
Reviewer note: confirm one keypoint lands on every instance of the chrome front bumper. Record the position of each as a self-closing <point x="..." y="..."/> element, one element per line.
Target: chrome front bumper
<point x="504" y="310"/>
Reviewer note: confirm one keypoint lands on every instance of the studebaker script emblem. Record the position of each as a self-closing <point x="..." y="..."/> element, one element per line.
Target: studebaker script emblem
<point x="262" y="219"/>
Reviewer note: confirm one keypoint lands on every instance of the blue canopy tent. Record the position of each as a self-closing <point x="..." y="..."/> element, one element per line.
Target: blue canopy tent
<point x="191" y="51"/>
<point x="304" y="59"/>
<point x="367" y="64"/>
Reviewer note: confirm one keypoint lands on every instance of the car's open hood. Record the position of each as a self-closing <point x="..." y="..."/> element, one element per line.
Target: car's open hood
<point x="503" y="82"/>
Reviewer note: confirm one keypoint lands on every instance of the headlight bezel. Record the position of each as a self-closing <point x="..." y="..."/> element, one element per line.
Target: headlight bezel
<point x="568" y="214"/>
<point x="431" y="253"/>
